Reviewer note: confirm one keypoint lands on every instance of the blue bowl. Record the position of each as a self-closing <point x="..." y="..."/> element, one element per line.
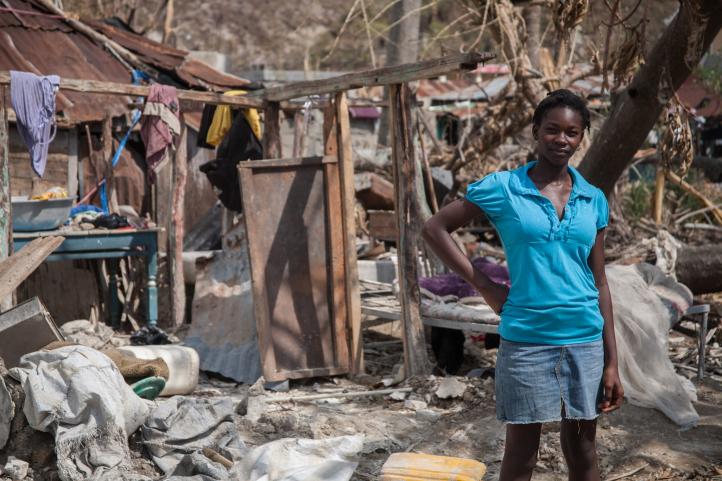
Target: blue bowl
<point x="35" y="215"/>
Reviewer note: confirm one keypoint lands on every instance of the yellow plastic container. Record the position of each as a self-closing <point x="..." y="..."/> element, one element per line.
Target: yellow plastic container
<point x="426" y="467"/>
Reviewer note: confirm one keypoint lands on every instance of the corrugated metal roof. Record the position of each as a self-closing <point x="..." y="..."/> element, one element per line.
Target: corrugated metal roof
<point x="33" y="39"/>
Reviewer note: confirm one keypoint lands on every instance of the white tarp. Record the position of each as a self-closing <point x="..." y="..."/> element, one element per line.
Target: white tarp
<point x="78" y="394"/>
<point x="332" y="459"/>
<point x="646" y="304"/>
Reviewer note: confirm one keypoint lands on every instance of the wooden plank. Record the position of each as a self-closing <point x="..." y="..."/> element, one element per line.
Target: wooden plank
<point x="15" y="269"/>
<point x="381" y="76"/>
<point x="336" y="263"/>
<point x="6" y="229"/>
<point x="295" y="269"/>
<point x="261" y="308"/>
<point x="115" y="88"/>
<point x="175" y="252"/>
<point x="335" y="239"/>
<point x="432" y="321"/>
<point x="409" y="230"/>
<point x="281" y="163"/>
<point x="348" y="203"/>
<point x="272" y="131"/>
<point x="382" y="225"/>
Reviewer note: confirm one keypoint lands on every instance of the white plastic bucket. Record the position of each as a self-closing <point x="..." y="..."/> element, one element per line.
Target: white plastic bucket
<point x="182" y="361"/>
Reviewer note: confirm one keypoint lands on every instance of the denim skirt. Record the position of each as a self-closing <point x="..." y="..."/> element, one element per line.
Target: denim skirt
<point x="537" y="383"/>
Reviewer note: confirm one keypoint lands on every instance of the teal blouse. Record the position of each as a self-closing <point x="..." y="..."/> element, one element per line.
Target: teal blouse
<point x="553" y="297"/>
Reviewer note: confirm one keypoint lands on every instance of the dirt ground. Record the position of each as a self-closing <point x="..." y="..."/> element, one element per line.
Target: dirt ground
<point x="636" y="443"/>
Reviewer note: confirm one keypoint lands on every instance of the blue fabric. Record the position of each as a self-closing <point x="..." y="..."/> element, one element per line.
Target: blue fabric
<point x="553" y="298"/>
<point x="538" y="383"/>
<point x="33" y="100"/>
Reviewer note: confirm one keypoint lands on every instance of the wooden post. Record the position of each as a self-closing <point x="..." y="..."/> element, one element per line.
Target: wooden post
<point x="272" y="131"/>
<point x="657" y="203"/>
<point x="348" y="198"/>
<point x="299" y="131"/>
<point x="408" y="222"/>
<point x="108" y="157"/>
<point x="175" y="250"/>
<point x="6" y="228"/>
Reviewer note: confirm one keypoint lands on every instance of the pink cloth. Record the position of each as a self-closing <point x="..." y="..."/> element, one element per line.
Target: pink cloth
<point x="158" y="127"/>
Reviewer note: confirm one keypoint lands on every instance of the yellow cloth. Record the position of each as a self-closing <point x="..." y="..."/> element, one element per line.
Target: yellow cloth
<point x="54" y="193"/>
<point x="221" y="123"/>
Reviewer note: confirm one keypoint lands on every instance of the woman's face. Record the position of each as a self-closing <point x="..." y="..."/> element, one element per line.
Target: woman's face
<point x="559" y="134"/>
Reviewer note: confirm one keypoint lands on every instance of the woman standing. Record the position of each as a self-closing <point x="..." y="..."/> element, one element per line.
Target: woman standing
<point x="558" y="357"/>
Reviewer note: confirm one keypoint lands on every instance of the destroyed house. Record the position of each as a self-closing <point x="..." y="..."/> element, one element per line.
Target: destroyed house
<point x="35" y="39"/>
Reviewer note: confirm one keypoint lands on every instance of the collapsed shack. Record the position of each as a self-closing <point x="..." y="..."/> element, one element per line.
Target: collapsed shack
<point x="90" y="130"/>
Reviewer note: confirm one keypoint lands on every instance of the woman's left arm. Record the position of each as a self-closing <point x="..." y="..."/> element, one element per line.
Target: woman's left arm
<point x="613" y="391"/>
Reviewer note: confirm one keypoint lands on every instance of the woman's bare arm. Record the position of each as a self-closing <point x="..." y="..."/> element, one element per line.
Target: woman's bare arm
<point x="437" y="234"/>
<point x="613" y="391"/>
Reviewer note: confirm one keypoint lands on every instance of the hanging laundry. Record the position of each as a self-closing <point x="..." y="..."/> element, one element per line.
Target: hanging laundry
<point x="159" y="126"/>
<point x="222" y="121"/>
<point x="240" y="144"/>
<point x="209" y="111"/>
<point x="33" y="99"/>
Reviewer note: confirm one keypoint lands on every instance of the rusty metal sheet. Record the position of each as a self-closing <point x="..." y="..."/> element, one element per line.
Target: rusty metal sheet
<point x="195" y="70"/>
<point x="46" y="44"/>
<point x="154" y="53"/>
<point x="291" y="214"/>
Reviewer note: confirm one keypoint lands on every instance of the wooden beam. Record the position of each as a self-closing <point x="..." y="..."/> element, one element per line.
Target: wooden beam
<point x="299" y="132"/>
<point x="115" y="88"/>
<point x="6" y="227"/>
<point x="348" y="208"/>
<point x="175" y="251"/>
<point x="381" y="76"/>
<point x="408" y="222"/>
<point x="272" y="131"/>
<point x="18" y="267"/>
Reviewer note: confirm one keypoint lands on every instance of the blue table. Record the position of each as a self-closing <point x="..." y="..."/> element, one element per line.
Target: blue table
<point x="107" y="244"/>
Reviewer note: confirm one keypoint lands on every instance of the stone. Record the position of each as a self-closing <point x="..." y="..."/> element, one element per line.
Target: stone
<point x="16" y="469"/>
<point x="450" y="388"/>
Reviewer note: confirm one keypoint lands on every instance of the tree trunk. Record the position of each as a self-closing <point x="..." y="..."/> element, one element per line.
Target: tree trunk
<point x="532" y="18"/>
<point x="636" y="108"/>
<point x="403" y="47"/>
<point x="700" y="268"/>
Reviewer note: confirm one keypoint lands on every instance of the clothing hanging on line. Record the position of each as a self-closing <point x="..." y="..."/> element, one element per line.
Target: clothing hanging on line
<point x="222" y="120"/>
<point x="238" y="145"/>
<point x="159" y="126"/>
<point x="33" y="99"/>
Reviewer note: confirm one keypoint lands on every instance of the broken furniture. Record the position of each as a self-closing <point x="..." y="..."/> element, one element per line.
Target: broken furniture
<point x="26" y="328"/>
<point x="110" y="245"/>
<point x="378" y="300"/>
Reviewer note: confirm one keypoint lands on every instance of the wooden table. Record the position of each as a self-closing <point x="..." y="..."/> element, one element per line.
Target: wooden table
<point x="107" y="244"/>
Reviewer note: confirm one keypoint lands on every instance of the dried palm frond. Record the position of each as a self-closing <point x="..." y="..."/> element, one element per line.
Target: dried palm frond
<point x="697" y="26"/>
<point x="627" y="58"/>
<point x="676" y="150"/>
<point x="568" y="14"/>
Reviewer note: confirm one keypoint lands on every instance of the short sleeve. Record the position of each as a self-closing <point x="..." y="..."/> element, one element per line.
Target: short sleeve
<point x="602" y="211"/>
<point x="488" y="194"/>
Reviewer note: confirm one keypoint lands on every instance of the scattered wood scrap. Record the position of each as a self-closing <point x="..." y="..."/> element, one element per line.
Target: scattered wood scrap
<point x="18" y="267"/>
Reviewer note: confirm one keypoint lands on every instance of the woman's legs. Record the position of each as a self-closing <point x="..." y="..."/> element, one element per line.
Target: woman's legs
<point x="580" y="449"/>
<point x="520" y="451"/>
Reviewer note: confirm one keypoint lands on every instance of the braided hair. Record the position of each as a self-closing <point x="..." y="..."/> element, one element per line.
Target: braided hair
<point x="562" y="98"/>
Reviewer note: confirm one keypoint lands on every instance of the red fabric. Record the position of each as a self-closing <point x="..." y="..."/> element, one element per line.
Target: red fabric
<point x="154" y="131"/>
